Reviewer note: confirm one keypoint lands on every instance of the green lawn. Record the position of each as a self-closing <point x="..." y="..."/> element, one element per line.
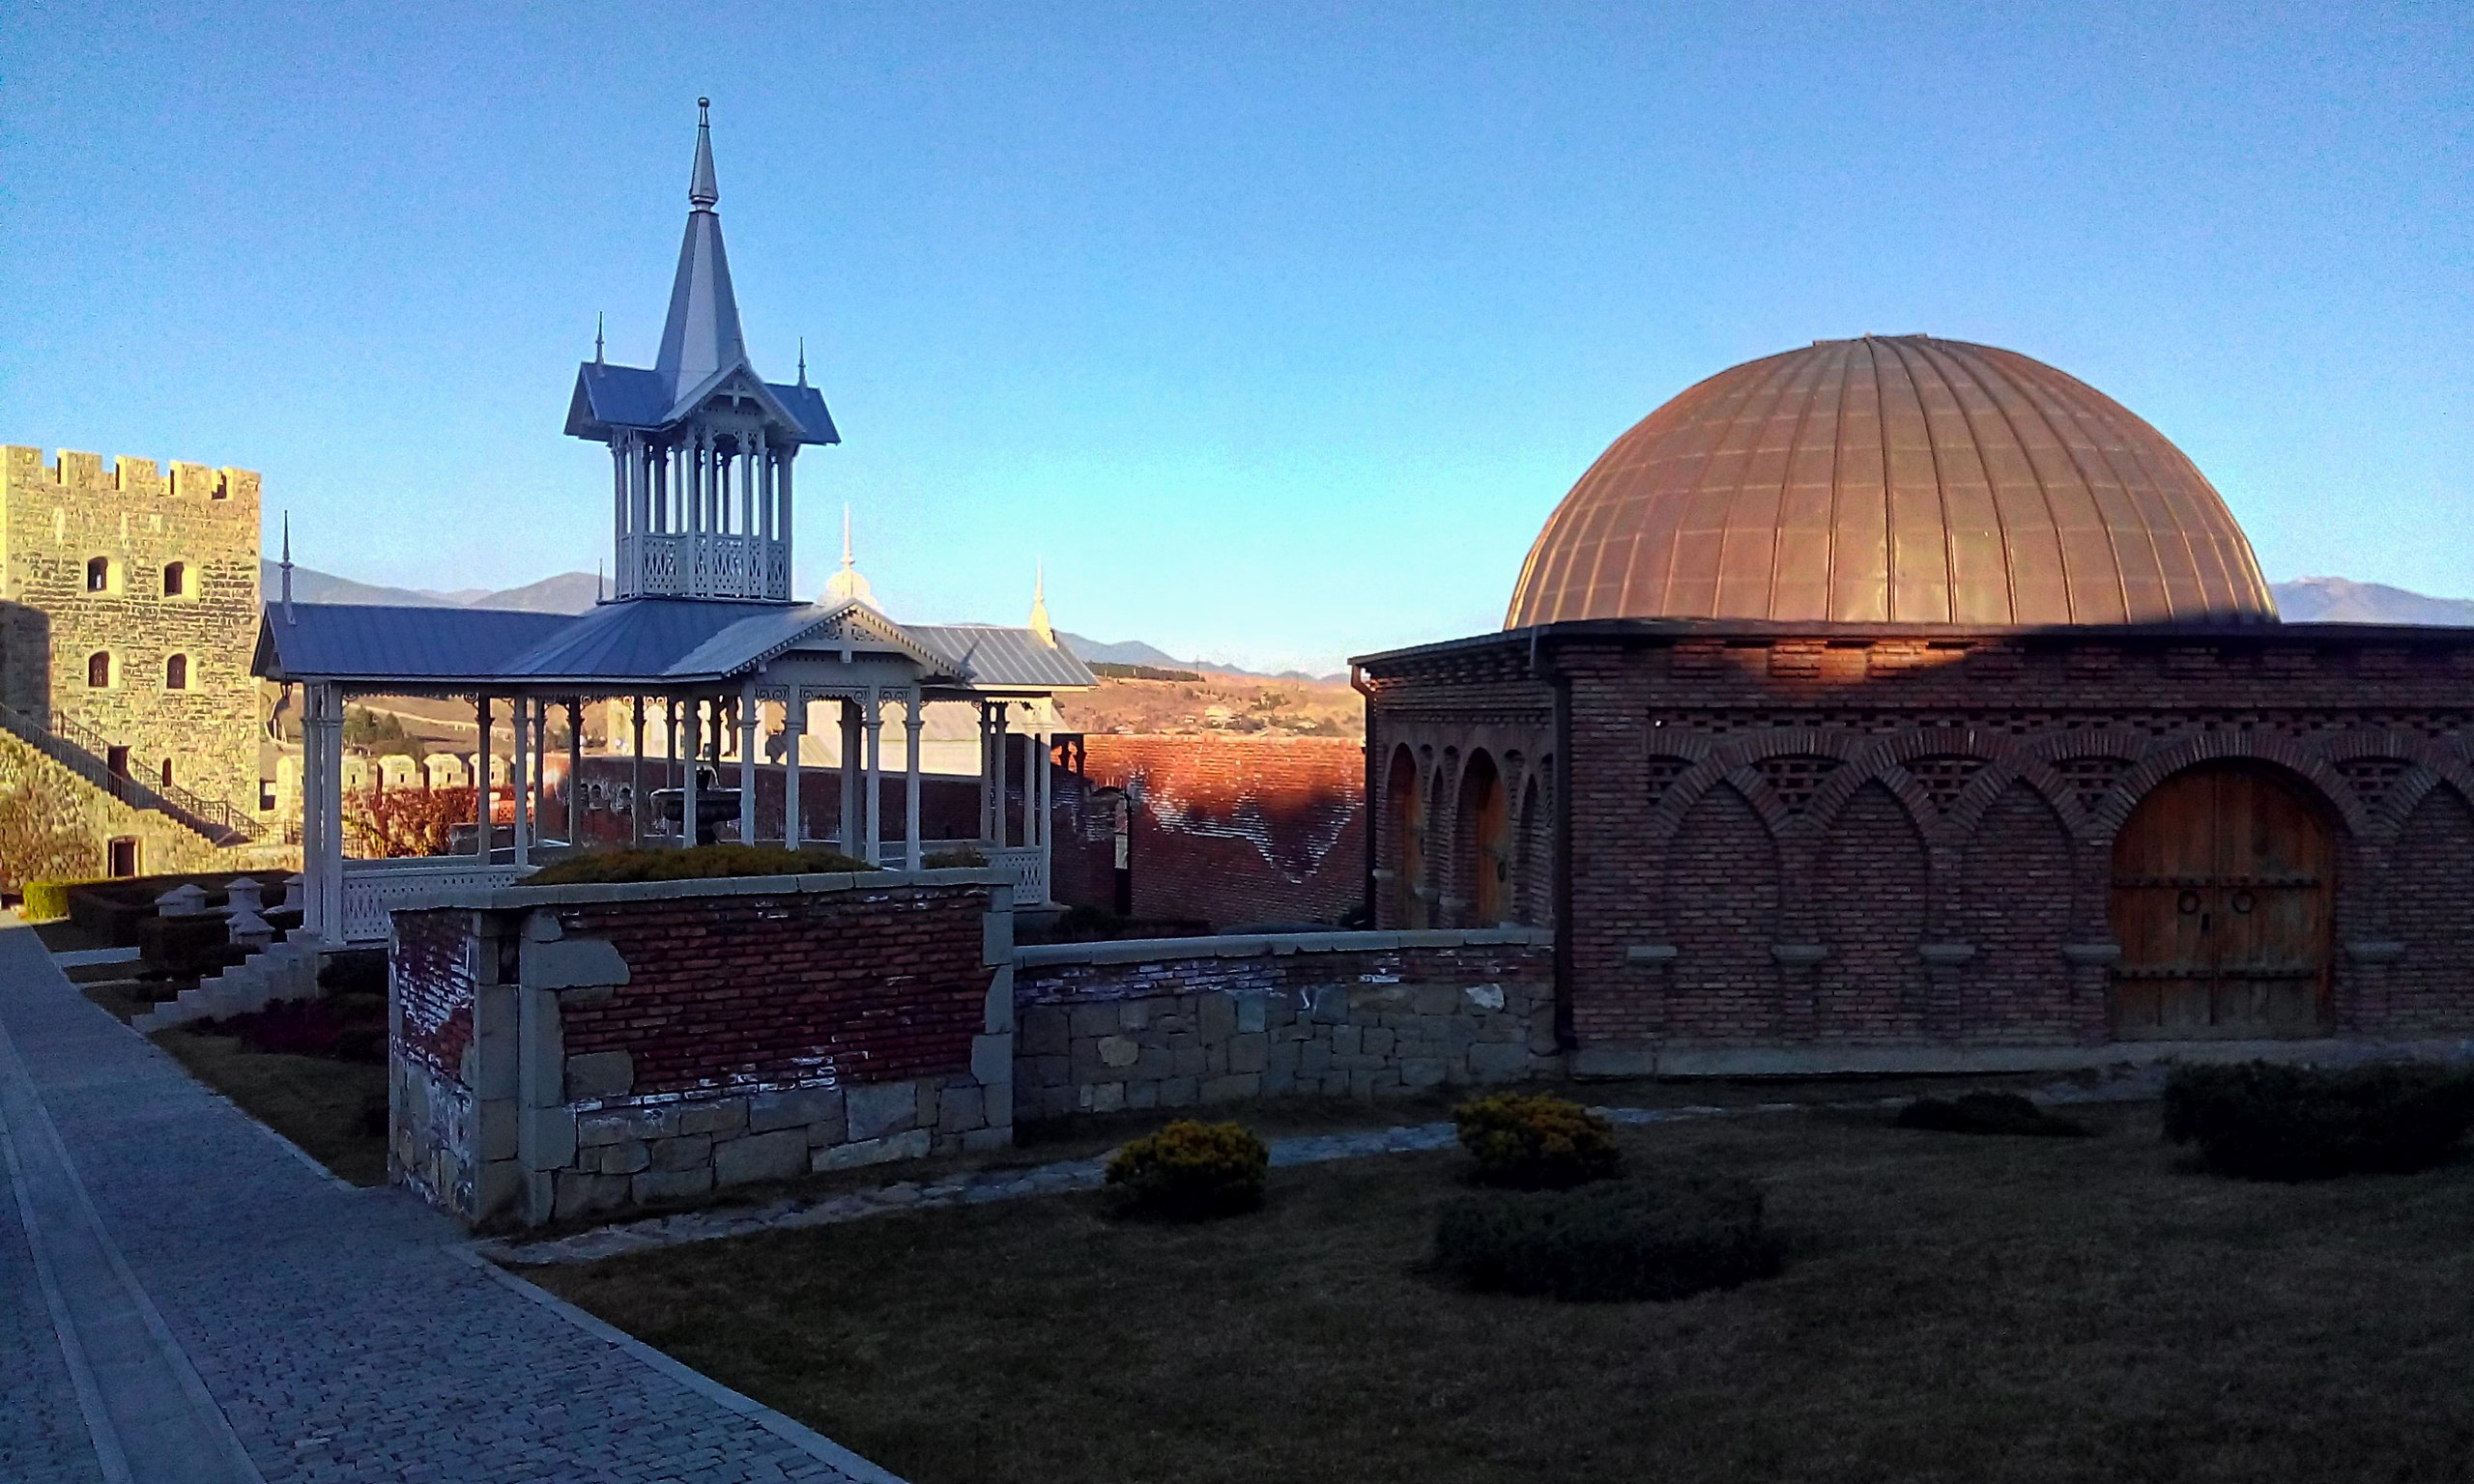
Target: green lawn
<point x="1956" y="1309"/>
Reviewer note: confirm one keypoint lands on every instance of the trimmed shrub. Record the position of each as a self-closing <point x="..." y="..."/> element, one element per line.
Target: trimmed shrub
<point x="951" y="859"/>
<point x="1614" y="1239"/>
<point x="46" y="901"/>
<point x="1190" y="1171"/>
<point x="2267" y="1122"/>
<point x="2005" y="1113"/>
<point x="1537" y="1143"/>
<point x="701" y="863"/>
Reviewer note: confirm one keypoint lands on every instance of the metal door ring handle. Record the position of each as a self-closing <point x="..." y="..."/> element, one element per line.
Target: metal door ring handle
<point x="2189" y="902"/>
<point x="2242" y="901"/>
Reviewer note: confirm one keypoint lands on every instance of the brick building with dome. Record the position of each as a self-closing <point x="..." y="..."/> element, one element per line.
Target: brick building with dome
<point x="1898" y="703"/>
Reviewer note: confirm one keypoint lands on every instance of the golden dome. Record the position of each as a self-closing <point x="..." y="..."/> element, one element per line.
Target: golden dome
<point x="1893" y="479"/>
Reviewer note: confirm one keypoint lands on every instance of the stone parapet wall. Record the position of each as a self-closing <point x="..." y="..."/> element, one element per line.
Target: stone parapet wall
<point x="621" y="1045"/>
<point x="1189" y="1021"/>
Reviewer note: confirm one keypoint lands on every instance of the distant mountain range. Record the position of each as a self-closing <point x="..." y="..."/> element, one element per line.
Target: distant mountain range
<point x="575" y="592"/>
<point x="568" y="592"/>
<point x="2341" y="600"/>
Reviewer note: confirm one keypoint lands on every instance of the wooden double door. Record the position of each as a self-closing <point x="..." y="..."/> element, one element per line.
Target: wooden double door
<point x="2222" y="880"/>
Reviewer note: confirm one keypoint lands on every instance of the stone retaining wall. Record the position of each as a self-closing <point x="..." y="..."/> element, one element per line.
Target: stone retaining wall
<point x="1172" y="1022"/>
<point x="559" y="1051"/>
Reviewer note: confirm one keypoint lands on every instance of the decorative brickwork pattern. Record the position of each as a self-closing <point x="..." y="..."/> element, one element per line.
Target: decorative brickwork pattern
<point x="1896" y="840"/>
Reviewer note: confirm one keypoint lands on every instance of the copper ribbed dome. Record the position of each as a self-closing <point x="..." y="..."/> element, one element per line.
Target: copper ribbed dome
<point x="1893" y="479"/>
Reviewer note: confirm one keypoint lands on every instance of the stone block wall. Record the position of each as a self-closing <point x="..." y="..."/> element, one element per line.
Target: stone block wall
<point x="56" y="826"/>
<point x="1181" y="1022"/>
<point x="561" y="1051"/>
<point x="57" y="517"/>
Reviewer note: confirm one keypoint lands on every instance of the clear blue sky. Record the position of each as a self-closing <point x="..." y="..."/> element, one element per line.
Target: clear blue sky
<point x="1276" y="329"/>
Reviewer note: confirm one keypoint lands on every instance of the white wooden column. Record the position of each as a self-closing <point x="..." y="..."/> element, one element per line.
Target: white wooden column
<point x="323" y="738"/>
<point x="523" y="781"/>
<point x="747" y="721"/>
<point x="873" y="720"/>
<point x="635" y="775"/>
<point x="795" y="734"/>
<point x="482" y="778"/>
<point x="848" y="836"/>
<point x="687" y="776"/>
<point x="911" y="728"/>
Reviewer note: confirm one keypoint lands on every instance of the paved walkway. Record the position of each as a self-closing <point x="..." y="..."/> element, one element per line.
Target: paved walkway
<point x="184" y="1296"/>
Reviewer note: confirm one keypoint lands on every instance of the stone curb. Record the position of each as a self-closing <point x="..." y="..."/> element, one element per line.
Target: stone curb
<point x="851" y="1465"/>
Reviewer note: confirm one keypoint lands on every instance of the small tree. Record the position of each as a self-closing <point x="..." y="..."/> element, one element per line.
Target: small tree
<point x="394" y="823"/>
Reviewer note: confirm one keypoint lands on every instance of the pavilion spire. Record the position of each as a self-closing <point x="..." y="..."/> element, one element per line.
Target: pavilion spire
<point x="702" y="335"/>
<point x="1040" y="624"/>
<point x="848" y="586"/>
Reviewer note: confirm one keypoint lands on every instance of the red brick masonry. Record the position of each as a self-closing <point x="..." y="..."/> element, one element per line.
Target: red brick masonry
<point x="1861" y="848"/>
<point x="728" y="991"/>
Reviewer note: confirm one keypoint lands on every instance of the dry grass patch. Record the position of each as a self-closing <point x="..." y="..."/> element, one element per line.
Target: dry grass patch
<point x="319" y="1102"/>
<point x="1954" y="1309"/>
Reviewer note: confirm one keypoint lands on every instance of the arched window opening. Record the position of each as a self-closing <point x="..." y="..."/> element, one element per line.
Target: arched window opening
<point x="175" y="672"/>
<point x="1486" y="849"/>
<point x="176" y="579"/>
<point x="99" y="669"/>
<point x="1408" y="833"/>
<point x="98" y="574"/>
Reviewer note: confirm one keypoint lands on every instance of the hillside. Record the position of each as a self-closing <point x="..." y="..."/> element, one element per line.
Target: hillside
<point x="1242" y="705"/>
<point x="2341" y="600"/>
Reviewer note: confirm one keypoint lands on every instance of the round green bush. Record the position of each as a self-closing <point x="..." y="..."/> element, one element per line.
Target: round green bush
<point x="1614" y="1240"/>
<point x="2002" y="1113"/>
<point x="1190" y="1171"/>
<point x="1536" y="1143"/>
<point x="2261" y="1120"/>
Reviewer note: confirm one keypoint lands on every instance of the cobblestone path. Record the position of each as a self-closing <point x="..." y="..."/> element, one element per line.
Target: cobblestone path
<point x="185" y="1296"/>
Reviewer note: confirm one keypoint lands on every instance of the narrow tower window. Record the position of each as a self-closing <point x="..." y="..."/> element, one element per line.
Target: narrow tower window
<point x="176" y="673"/>
<point x="176" y="579"/>
<point x="99" y="575"/>
<point x="99" y="669"/>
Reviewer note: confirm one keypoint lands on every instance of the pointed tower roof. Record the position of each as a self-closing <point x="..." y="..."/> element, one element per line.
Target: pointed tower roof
<point x="1040" y="625"/>
<point x="702" y="335"/>
<point x="848" y="586"/>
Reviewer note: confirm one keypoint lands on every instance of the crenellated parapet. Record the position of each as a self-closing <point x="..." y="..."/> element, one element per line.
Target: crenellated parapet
<point x="221" y="492"/>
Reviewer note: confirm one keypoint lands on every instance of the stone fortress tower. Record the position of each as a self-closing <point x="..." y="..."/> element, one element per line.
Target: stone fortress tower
<point x="129" y="616"/>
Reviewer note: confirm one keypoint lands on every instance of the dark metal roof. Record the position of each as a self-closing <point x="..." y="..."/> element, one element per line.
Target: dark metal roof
<point x="356" y="641"/>
<point x="1893" y="479"/>
<point x="639" y="638"/>
<point x="609" y="396"/>
<point x="987" y="655"/>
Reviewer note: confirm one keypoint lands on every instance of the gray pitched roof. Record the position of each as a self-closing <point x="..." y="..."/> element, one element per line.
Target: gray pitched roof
<point x="652" y="642"/>
<point x="416" y="646"/>
<point x="987" y="655"/>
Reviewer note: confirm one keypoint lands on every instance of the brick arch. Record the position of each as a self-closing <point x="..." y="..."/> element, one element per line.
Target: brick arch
<point x="2426" y="766"/>
<point x="1870" y="889"/>
<point x="1401" y="824"/>
<point x="2163" y="763"/>
<point x="2431" y="985"/>
<point x="1722" y="889"/>
<point x="1482" y="841"/>
<point x="2436" y="770"/>
<point x="2020" y="879"/>
<point x="1882" y="771"/>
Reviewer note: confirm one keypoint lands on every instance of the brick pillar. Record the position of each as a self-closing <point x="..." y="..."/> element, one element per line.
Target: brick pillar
<point x="2091" y="980"/>
<point x="1946" y="988"/>
<point x="1799" y="987"/>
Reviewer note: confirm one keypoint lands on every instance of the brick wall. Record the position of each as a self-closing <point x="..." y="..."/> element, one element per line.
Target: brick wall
<point x="1846" y="847"/>
<point x="1178" y="1023"/>
<point x="623" y="1046"/>
<point x="1227" y="830"/>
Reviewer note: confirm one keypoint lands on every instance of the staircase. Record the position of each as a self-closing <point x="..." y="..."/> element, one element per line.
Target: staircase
<point x="286" y="970"/>
<point x="86" y="753"/>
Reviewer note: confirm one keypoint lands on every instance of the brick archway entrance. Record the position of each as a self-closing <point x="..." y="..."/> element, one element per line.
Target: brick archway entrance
<point x="2222" y="882"/>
